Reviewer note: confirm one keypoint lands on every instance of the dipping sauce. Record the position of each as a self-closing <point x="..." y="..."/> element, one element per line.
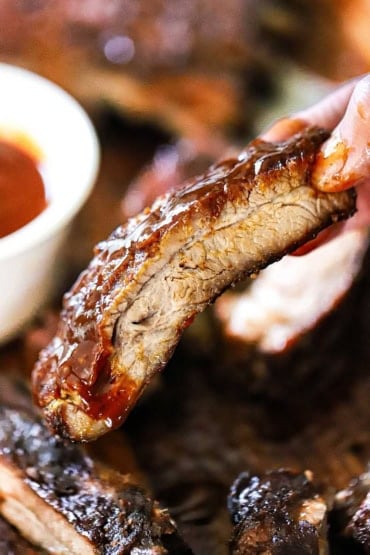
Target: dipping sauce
<point x="22" y="190"/>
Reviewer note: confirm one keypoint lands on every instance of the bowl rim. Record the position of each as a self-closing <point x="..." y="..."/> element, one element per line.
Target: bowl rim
<point x="51" y="220"/>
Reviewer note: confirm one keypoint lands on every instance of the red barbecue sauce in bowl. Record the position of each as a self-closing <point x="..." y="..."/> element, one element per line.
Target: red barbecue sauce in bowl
<point x="22" y="190"/>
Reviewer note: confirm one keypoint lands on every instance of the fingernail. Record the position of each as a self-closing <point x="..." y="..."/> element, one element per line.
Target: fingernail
<point x="328" y="174"/>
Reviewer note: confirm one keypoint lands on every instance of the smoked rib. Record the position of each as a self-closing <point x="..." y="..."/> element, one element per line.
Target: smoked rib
<point x="60" y="499"/>
<point x="125" y="314"/>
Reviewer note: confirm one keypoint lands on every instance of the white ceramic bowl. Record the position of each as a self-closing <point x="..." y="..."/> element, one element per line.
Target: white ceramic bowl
<point x="60" y="129"/>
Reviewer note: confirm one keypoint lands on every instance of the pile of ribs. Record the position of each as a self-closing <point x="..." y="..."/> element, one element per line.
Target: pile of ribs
<point x="63" y="501"/>
<point x="120" y="325"/>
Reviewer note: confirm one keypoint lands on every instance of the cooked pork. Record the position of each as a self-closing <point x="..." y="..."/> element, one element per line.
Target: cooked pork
<point x="306" y="407"/>
<point x="351" y="515"/>
<point x="279" y="513"/>
<point x="290" y="297"/>
<point x="63" y="501"/>
<point x="125" y="314"/>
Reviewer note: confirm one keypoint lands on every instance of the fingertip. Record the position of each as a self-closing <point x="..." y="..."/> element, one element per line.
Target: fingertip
<point x="361" y="93"/>
<point x="327" y="175"/>
<point x="344" y="159"/>
<point x="283" y="129"/>
<point x="358" y="109"/>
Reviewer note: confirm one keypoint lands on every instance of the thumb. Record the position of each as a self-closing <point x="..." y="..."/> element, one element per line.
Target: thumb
<point x="344" y="159"/>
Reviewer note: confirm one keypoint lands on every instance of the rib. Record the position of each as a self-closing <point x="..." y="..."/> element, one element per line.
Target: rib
<point x="351" y="514"/>
<point x="125" y="314"/>
<point x="63" y="501"/>
<point x="278" y="513"/>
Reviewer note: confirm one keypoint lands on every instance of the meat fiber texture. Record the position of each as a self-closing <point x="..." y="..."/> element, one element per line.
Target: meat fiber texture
<point x="124" y="316"/>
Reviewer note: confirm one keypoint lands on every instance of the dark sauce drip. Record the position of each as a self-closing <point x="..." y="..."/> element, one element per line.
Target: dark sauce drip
<point x="105" y="397"/>
<point x="87" y="371"/>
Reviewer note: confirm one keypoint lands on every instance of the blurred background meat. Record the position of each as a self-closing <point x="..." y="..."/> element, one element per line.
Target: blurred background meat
<point x="280" y="512"/>
<point x="351" y="516"/>
<point x="191" y="66"/>
<point x="172" y="165"/>
<point x="180" y="63"/>
<point x="292" y="296"/>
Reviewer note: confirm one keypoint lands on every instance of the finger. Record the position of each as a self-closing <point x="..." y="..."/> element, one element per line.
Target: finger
<point x="283" y="128"/>
<point x="344" y="159"/>
<point x="359" y="221"/>
<point x="326" y="113"/>
<point x="361" y="218"/>
<point x="329" y="111"/>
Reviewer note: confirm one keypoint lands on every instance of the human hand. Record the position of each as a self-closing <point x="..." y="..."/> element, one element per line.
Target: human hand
<point x="344" y="159"/>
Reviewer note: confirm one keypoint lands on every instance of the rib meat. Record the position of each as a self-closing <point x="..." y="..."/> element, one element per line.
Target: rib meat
<point x="60" y="499"/>
<point x="290" y="297"/>
<point x="279" y="513"/>
<point x="351" y="515"/>
<point x="125" y="314"/>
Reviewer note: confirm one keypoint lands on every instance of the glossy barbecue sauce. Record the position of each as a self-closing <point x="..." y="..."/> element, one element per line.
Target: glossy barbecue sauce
<point x="22" y="190"/>
<point x="80" y="358"/>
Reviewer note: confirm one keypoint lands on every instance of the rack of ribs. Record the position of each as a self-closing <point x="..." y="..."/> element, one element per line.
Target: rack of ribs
<point x="124" y="316"/>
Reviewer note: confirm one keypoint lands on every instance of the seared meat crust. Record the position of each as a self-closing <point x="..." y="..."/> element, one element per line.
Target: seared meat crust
<point x="351" y="515"/>
<point x="59" y="498"/>
<point x="124" y="316"/>
<point x="279" y="513"/>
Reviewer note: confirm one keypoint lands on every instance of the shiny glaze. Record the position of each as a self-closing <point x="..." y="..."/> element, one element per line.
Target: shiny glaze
<point x="22" y="191"/>
<point x="80" y="359"/>
<point x="269" y="515"/>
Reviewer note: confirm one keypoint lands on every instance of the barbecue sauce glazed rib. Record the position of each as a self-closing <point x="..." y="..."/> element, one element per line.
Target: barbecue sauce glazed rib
<point x="244" y="213"/>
